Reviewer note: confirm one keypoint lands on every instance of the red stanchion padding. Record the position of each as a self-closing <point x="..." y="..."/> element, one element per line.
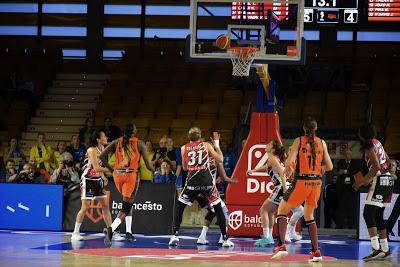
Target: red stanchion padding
<point x="245" y="198"/>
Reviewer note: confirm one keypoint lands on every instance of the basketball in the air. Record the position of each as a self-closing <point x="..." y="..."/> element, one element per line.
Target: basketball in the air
<point x="223" y="42"/>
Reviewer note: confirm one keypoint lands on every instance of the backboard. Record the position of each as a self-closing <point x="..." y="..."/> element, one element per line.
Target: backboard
<point x="275" y="27"/>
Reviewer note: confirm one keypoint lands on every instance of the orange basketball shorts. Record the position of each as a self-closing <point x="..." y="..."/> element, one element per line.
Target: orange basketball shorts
<point x="304" y="190"/>
<point x="126" y="183"/>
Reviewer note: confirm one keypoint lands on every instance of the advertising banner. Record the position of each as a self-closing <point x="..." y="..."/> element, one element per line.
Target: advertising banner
<point x="31" y="207"/>
<point x="362" y="227"/>
<point x="152" y="210"/>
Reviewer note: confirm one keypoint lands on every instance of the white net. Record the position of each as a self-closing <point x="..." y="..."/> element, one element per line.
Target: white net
<point x="242" y="58"/>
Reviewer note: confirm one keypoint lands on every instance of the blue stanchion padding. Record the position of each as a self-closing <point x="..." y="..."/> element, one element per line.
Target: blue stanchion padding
<point x="31" y="207"/>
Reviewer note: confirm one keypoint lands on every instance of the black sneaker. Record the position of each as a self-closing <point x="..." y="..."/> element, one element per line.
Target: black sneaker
<point x="375" y="255"/>
<point x="129" y="237"/>
<point x="108" y="234"/>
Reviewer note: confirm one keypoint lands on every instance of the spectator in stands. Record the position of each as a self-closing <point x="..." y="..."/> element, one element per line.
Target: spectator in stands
<point x="28" y="175"/>
<point x="145" y="174"/>
<point x="39" y="172"/>
<point x="162" y="154"/>
<point x="78" y="152"/>
<point x="178" y="170"/>
<point x="86" y="132"/>
<point x="331" y="202"/>
<point x="111" y="131"/>
<point x="42" y="154"/>
<point x="230" y="160"/>
<point x="165" y="175"/>
<point x="346" y="169"/>
<point x="61" y="148"/>
<point x="65" y="173"/>
<point x="13" y="152"/>
<point x="11" y="171"/>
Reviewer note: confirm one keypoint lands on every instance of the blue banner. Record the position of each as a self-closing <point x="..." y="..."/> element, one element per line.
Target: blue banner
<point x="31" y="207"/>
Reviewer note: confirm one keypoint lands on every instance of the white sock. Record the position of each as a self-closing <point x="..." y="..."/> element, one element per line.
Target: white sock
<point x="128" y="224"/>
<point x="270" y="231"/>
<point x="384" y="245"/>
<point x="115" y="224"/>
<point x="204" y="232"/>
<point x="266" y="232"/>
<point x="77" y="227"/>
<point x="375" y="242"/>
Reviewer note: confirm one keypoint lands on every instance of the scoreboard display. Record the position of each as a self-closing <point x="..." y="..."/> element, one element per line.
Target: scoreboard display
<point x="384" y="10"/>
<point x="331" y="11"/>
<point x="258" y="11"/>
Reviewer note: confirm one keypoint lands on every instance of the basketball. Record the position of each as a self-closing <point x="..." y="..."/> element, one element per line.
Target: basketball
<point x="223" y="42"/>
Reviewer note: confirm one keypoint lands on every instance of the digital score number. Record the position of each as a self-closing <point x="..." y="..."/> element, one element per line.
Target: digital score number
<point x="331" y="11"/>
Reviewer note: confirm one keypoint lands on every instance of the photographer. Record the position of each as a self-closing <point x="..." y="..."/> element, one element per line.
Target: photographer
<point x="28" y="175"/>
<point x="162" y="154"/>
<point x="66" y="174"/>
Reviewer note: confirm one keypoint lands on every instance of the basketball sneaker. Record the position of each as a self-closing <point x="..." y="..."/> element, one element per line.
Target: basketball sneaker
<point x="263" y="242"/>
<point x="280" y="252"/>
<point x="388" y="255"/>
<point x="117" y="237"/>
<point x="375" y="255"/>
<point x="228" y="244"/>
<point x="287" y="238"/>
<point x="76" y="237"/>
<point x="202" y="241"/>
<point x="294" y="236"/>
<point x="315" y="256"/>
<point x="108" y="234"/>
<point x="221" y="240"/>
<point x="129" y="237"/>
<point x="174" y="241"/>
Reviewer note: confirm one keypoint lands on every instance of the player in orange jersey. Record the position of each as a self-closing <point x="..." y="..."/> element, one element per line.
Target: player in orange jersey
<point x="312" y="161"/>
<point x="128" y="150"/>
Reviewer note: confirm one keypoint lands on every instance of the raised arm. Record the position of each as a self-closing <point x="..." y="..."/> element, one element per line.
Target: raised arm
<point x="223" y="176"/>
<point x="143" y="152"/>
<point x="104" y="155"/>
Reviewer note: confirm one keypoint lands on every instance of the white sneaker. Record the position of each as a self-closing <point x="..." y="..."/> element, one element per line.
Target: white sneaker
<point x="117" y="237"/>
<point x="76" y="237"/>
<point x="294" y="236"/>
<point x="227" y="244"/>
<point x="202" y="241"/>
<point x="221" y="240"/>
<point x="174" y="241"/>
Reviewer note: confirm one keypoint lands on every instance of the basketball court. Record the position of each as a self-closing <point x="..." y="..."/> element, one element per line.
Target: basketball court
<point x="19" y="248"/>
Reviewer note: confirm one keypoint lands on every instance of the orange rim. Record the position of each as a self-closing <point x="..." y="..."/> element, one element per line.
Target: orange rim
<point x="245" y="49"/>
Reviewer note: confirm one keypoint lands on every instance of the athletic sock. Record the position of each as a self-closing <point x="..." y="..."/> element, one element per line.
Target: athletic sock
<point x="375" y="242"/>
<point x="115" y="224"/>
<point x="270" y="231"/>
<point x="312" y="230"/>
<point x="281" y="221"/>
<point x="384" y="245"/>
<point x="128" y="224"/>
<point x="204" y="232"/>
<point x="266" y="232"/>
<point x="77" y="227"/>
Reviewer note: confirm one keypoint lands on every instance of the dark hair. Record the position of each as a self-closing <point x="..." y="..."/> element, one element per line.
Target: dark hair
<point x="279" y="150"/>
<point x="310" y="126"/>
<point x="10" y="160"/>
<point x="58" y="143"/>
<point x="127" y="134"/>
<point x="106" y="118"/>
<point x="93" y="138"/>
<point x="366" y="133"/>
<point x="41" y="133"/>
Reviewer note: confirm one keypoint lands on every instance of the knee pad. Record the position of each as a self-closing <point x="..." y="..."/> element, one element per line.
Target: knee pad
<point x="126" y="207"/>
<point x="210" y="216"/>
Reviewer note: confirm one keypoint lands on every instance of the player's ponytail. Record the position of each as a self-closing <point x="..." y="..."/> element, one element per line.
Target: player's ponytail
<point x="365" y="134"/>
<point x="310" y="126"/>
<point x="127" y="134"/>
<point x="279" y="150"/>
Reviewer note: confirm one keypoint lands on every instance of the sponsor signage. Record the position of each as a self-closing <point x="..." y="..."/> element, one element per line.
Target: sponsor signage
<point x="362" y="227"/>
<point x="31" y="207"/>
<point x="152" y="210"/>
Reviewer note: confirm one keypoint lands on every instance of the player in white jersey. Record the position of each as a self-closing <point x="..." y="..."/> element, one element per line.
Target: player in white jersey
<point x="381" y="184"/>
<point x="93" y="182"/>
<point x="275" y="168"/>
<point x="215" y="169"/>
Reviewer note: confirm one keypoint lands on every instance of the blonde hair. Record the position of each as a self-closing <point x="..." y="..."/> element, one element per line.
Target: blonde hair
<point x="194" y="133"/>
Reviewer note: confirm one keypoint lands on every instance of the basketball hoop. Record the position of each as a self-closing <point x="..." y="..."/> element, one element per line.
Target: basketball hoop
<point x="242" y="57"/>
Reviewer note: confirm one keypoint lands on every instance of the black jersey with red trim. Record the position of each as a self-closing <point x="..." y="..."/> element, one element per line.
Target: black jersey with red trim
<point x="197" y="160"/>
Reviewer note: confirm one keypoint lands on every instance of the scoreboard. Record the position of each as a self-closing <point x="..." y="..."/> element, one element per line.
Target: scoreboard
<point x="384" y="10"/>
<point x="258" y="11"/>
<point x="331" y="11"/>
